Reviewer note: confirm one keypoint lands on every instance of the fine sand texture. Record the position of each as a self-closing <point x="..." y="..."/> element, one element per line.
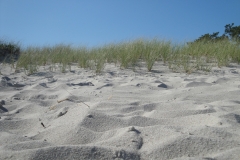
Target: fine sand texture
<point x="120" y="114"/>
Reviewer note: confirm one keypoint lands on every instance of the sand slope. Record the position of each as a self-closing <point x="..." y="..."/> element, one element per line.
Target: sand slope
<point x="120" y="114"/>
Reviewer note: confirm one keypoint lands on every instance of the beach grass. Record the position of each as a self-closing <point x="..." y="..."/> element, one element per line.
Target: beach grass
<point x="187" y="57"/>
<point x="9" y="52"/>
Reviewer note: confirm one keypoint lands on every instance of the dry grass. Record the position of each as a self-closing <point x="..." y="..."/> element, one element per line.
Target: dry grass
<point x="179" y="57"/>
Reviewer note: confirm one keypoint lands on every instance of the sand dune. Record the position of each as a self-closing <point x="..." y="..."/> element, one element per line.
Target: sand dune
<point x="120" y="114"/>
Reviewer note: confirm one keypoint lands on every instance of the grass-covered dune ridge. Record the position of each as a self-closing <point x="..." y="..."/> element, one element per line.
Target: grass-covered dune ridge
<point x="186" y="57"/>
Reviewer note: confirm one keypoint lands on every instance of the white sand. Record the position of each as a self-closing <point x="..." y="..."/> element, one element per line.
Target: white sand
<point x="131" y="115"/>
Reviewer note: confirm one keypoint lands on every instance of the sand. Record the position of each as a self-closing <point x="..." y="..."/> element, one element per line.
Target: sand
<point x="120" y="114"/>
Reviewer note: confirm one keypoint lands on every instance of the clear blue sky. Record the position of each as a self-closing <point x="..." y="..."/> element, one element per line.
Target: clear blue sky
<point x="98" y="22"/>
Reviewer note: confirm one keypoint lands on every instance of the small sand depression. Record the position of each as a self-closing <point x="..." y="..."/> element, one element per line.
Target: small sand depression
<point x="120" y="114"/>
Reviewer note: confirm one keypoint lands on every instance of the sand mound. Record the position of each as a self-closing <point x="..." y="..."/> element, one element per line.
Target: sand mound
<point x="120" y="114"/>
